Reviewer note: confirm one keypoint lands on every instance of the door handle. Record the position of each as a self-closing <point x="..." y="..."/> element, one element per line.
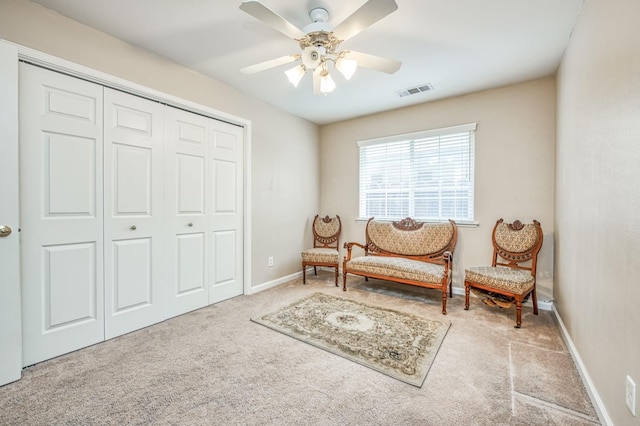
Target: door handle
<point x="133" y="227"/>
<point x="190" y="224"/>
<point x="5" y="231"/>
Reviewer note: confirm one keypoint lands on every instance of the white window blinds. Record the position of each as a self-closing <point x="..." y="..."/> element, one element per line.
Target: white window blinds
<point x="427" y="175"/>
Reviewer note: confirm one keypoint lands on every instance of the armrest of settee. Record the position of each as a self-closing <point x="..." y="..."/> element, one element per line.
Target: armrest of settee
<point x="349" y="247"/>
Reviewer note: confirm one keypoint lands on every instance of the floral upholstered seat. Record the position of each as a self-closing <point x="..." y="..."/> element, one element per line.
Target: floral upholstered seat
<point x="513" y="270"/>
<point x="501" y="278"/>
<point x="326" y="240"/>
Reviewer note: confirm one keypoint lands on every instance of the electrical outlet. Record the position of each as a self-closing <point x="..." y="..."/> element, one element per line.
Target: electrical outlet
<point x="270" y="261"/>
<point x="630" y="395"/>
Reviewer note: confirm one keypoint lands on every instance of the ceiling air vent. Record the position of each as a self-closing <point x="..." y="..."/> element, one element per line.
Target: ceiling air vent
<point x="415" y="90"/>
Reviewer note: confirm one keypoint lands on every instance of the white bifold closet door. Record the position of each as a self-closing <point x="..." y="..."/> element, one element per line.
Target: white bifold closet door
<point x="227" y="211"/>
<point x="61" y="213"/>
<point x="134" y="212"/>
<point x="204" y="210"/>
<point x="187" y="202"/>
<point x="131" y="212"/>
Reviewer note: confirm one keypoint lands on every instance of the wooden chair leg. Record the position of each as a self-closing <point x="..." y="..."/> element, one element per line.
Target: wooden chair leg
<point x="518" y="312"/>
<point x="344" y="281"/>
<point x="304" y="273"/>
<point x="467" y="288"/>
<point x="534" y="299"/>
<point x="315" y="271"/>
<point x="444" y="302"/>
<point x="336" y="275"/>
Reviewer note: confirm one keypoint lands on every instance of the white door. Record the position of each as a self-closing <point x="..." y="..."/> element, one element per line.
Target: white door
<point x="61" y="213"/>
<point x="10" y="306"/>
<point x="133" y="146"/>
<point x="226" y="217"/>
<point x="187" y="201"/>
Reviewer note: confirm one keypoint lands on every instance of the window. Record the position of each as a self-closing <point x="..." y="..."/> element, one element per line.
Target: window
<point x="426" y="175"/>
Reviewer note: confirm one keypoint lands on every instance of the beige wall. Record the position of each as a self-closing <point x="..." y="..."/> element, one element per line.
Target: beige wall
<point x="598" y="197"/>
<point x="284" y="169"/>
<point x="514" y="164"/>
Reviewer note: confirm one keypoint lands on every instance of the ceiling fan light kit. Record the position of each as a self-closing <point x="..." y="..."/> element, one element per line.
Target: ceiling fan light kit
<point x="346" y="66"/>
<point x="319" y="43"/>
<point x="295" y="74"/>
<point x="326" y="82"/>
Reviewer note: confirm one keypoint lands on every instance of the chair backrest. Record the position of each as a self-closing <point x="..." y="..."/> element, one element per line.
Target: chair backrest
<point x="516" y="244"/>
<point x="409" y="238"/>
<point x="326" y="231"/>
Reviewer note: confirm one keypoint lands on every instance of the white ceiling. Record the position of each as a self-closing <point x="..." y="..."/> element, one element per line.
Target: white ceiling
<point x="458" y="46"/>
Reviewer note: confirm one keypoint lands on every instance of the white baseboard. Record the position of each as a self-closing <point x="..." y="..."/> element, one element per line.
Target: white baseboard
<point x="586" y="379"/>
<point x="274" y="283"/>
<point x="546" y="305"/>
<point x="282" y="280"/>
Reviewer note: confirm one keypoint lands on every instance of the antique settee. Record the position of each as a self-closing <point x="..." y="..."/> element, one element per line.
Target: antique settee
<point x="408" y="252"/>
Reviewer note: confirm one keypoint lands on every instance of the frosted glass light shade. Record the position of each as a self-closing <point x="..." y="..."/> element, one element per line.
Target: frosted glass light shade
<point x="326" y="83"/>
<point x="347" y="67"/>
<point x="295" y="74"/>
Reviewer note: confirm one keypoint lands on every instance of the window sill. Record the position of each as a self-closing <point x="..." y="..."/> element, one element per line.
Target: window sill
<point x="458" y="224"/>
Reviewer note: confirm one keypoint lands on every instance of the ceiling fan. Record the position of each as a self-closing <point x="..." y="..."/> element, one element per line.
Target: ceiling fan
<point x="319" y="43"/>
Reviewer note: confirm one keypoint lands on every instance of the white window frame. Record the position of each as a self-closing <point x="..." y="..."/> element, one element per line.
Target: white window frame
<point x="457" y="177"/>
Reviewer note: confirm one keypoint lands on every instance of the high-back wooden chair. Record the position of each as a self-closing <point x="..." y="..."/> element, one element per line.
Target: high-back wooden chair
<point x="513" y="270"/>
<point x="326" y="240"/>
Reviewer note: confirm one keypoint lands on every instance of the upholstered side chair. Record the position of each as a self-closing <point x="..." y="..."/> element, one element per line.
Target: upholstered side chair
<point x="513" y="269"/>
<point x="326" y="240"/>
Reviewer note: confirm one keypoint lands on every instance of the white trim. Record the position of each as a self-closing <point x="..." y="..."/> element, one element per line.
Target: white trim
<point x="419" y="135"/>
<point x="458" y="291"/>
<point x="546" y="305"/>
<point x="274" y="283"/>
<point x="80" y="71"/>
<point x="247" y="208"/>
<point x="586" y="379"/>
<point x="458" y="224"/>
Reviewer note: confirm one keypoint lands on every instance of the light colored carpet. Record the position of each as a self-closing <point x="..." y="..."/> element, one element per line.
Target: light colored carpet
<point x="214" y="366"/>
<point x="395" y="343"/>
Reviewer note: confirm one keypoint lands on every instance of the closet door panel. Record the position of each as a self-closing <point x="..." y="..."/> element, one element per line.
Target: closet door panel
<point x="71" y="174"/>
<point x="134" y="288"/>
<point x="61" y="213"/>
<point x="69" y="284"/>
<point x="132" y="280"/>
<point x="226" y="218"/>
<point x="132" y="183"/>
<point x="187" y="202"/>
<point x="225" y="257"/>
<point x="190" y="263"/>
<point x="190" y="176"/>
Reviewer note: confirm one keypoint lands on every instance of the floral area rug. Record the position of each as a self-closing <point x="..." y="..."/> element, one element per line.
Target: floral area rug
<point x="395" y="343"/>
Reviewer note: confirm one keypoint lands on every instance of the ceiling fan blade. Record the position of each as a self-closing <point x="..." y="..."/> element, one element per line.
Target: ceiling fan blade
<point x="368" y="14"/>
<point x="272" y="63"/>
<point x="271" y="18"/>
<point x="375" y="62"/>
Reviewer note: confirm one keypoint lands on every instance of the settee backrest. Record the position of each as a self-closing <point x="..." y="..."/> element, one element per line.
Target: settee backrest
<point x="410" y="238"/>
